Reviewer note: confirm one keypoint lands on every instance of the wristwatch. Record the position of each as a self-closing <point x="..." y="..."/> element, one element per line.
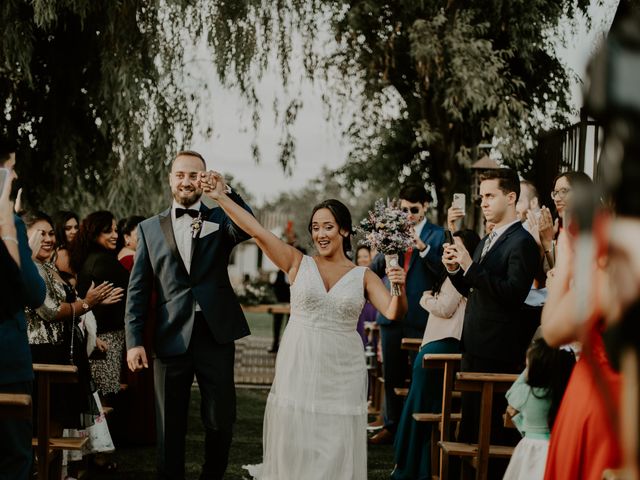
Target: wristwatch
<point x="85" y="305"/>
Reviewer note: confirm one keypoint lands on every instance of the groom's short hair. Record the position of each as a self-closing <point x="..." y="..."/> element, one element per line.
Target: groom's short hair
<point x="191" y="153"/>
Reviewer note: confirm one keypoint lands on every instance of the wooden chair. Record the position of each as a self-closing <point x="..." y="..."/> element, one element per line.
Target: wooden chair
<point x="15" y="405"/>
<point x="48" y="448"/>
<point x="486" y="384"/>
<point x="441" y="422"/>
<point x="411" y="344"/>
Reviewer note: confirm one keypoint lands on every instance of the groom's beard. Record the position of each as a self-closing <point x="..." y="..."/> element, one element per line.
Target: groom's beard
<point x="187" y="199"/>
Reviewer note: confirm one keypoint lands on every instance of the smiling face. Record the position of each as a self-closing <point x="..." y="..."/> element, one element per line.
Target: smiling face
<point x="562" y="195"/>
<point x="71" y="229"/>
<point x="363" y="257"/>
<point x="183" y="179"/>
<point x="325" y="233"/>
<point x="48" y="244"/>
<point x="109" y="238"/>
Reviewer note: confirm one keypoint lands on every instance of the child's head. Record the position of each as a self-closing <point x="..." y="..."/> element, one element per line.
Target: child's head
<point x="549" y="368"/>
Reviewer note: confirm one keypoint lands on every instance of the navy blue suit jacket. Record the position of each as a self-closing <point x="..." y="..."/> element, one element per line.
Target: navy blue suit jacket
<point x="158" y="265"/>
<point x="29" y="289"/>
<point x="496" y="288"/>
<point x="420" y="276"/>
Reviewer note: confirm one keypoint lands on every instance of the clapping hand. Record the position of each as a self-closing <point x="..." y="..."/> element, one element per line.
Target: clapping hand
<point x="35" y="241"/>
<point x="547" y="228"/>
<point x="103" y="294"/>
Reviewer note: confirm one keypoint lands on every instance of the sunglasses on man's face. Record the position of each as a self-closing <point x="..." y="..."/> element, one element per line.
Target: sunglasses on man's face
<point x="414" y="210"/>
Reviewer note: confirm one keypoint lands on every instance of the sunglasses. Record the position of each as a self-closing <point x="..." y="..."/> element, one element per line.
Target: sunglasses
<point x="414" y="210"/>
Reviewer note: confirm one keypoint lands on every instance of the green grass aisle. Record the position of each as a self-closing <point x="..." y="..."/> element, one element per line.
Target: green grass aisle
<point x="139" y="463"/>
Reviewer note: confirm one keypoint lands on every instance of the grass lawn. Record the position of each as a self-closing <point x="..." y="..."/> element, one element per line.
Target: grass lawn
<point x="139" y="463"/>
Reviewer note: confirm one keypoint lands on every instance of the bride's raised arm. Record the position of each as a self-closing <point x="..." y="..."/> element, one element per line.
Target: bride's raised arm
<point x="284" y="256"/>
<point x="393" y="308"/>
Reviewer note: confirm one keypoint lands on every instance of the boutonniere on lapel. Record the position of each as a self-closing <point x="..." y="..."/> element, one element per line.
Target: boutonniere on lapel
<point x="196" y="225"/>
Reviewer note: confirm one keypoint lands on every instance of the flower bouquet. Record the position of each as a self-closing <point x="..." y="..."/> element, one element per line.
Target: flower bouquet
<point x="388" y="230"/>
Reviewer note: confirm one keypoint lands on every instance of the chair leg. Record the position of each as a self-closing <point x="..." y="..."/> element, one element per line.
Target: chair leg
<point x="435" y="457"/>
<point x="444" y="465"/>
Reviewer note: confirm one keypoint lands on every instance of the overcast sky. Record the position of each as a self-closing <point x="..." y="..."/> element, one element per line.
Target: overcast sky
<point x="319" y="143"/>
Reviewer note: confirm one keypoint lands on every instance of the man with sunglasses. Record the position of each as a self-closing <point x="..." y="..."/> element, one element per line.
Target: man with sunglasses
<point x="423" y="264"/>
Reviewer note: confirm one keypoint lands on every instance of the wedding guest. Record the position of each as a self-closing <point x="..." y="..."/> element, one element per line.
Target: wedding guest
<point x="369" y="312"/>
<point x="446" y="308"/>
<point x="496" y="279"/>
<point x="534" y="400"/>
<point x="128" y="240"/>
<point x="22" y="286"/>
<point x="53" y="331"/>
<point x="140" y="422"/>
<point x="93" y="256"/>
<point x="423" y="266"/>
<point x="584" y="440"/>
<point x="65" y="225"/>
<point x="563" y="187"/>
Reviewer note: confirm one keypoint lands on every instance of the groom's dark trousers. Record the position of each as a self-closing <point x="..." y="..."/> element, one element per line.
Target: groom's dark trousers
<point x="212" y="365"/>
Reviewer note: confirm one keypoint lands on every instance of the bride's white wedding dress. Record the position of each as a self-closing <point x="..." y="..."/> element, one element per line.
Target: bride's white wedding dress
<point x="316" y="415"/>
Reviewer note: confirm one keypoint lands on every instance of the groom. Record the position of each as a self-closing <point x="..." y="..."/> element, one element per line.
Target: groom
<point x="183" y="254"/>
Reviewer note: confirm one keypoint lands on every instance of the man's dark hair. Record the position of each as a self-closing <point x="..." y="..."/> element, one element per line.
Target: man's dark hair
<point x="508" y="180"/>
<point x="191" y="153"/>
<point x="7" y="147"/>
<point x="415" y="193"/>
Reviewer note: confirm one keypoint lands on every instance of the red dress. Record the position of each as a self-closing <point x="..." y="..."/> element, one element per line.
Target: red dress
<point x="583" y="440"/>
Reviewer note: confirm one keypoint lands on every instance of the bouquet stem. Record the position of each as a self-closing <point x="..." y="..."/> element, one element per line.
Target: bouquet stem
<point x="391" y="260"/>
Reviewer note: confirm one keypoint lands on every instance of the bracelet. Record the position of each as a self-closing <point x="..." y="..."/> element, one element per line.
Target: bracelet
<point x="9" y="238"/>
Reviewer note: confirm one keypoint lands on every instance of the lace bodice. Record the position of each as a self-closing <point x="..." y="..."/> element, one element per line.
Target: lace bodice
<point x="337" y="309"/>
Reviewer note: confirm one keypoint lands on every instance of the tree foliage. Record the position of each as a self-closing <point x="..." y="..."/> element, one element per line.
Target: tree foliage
<point x="94" y="93"/>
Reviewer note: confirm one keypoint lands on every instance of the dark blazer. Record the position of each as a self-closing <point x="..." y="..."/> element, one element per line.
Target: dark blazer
<point x="28" y="285"/>
<point x="496" y="288"/>
<point x="158" y="264"/>
<point x="102" y="265"/>
<point x="420" y="276"/>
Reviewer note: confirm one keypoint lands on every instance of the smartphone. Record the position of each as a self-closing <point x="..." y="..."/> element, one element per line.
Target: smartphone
<point x="448" y="238"/>
<point x="459" y="201"/>
<point x="5" y="180"/>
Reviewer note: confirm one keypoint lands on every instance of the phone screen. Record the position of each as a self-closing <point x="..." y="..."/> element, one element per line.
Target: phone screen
<point x="5" y="177"/>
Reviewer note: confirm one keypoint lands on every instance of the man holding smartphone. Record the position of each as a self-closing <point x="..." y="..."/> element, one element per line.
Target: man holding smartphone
<point x="423" y="265"/>
<point x="16" y="371"/>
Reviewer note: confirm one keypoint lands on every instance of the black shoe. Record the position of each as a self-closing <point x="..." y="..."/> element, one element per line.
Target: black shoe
<point x="273" y="349"/>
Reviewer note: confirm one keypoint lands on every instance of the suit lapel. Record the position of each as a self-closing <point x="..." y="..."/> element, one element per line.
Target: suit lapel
<point x="167" y="230"/>
<point x="500" y="240"/>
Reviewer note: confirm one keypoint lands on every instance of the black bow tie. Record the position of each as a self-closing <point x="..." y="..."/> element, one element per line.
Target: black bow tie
<point x="193" y="213"/>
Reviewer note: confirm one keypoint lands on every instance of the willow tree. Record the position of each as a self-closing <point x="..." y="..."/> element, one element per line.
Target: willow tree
<point x="93" y="91"/>
<point x="96" y="93"/>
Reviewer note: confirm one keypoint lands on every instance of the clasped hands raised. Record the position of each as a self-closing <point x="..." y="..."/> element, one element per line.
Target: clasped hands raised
<point x="212" y="184"/>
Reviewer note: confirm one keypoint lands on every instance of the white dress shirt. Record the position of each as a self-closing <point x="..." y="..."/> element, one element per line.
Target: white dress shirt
<point x="182" y="233"/>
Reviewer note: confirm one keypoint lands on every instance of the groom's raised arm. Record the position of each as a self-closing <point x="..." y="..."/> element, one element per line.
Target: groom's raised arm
<point x="138" y="293"/>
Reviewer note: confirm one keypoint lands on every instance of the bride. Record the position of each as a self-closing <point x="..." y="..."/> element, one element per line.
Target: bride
<point x="316" y="415"/>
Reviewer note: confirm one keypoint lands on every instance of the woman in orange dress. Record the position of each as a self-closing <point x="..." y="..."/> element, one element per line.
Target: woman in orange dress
<point x="584" y="440"/>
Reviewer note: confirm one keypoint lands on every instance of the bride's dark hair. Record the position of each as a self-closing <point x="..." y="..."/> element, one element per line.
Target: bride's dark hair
<point x="343" y="218"/>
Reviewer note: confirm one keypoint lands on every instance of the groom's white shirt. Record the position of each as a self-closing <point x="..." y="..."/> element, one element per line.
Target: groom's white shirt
<point x="182" y="233"/>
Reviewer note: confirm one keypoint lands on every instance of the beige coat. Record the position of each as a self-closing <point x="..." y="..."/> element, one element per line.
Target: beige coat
<point x="446" y="313"/>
